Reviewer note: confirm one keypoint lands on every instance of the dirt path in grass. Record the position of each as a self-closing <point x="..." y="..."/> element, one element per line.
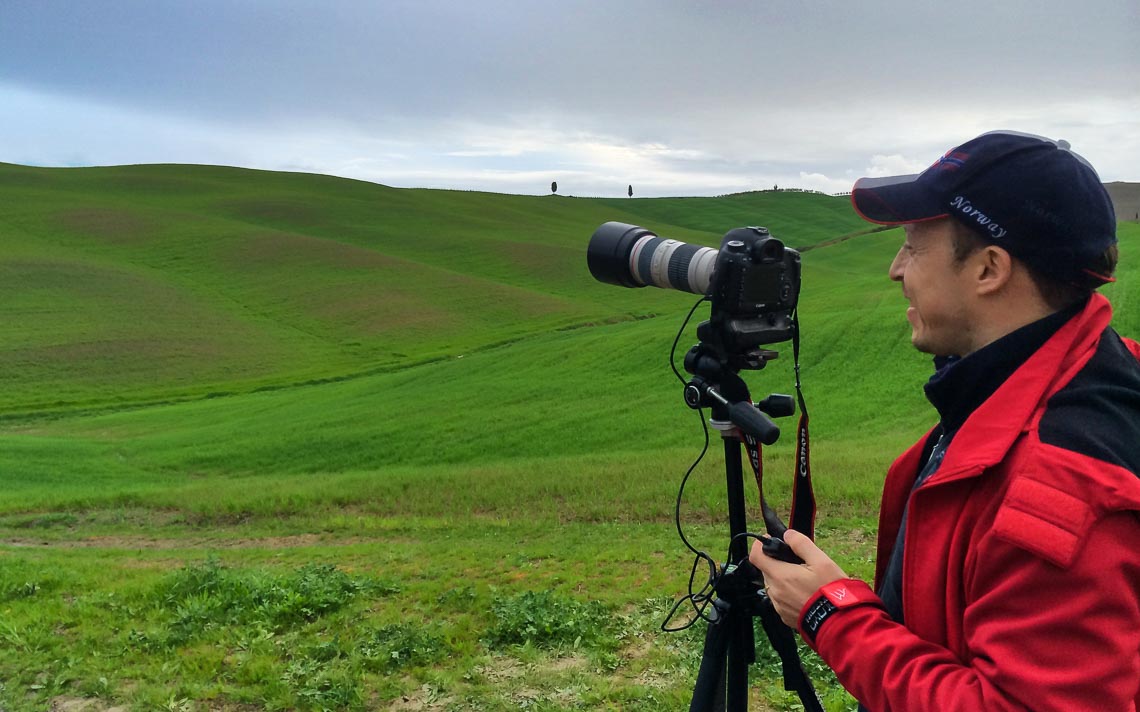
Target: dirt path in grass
<point x="144" y="542"/>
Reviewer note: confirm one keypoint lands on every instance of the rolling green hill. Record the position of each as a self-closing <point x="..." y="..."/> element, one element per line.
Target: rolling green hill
<point x="290" y="323"/>
<point x="145" y="283"/>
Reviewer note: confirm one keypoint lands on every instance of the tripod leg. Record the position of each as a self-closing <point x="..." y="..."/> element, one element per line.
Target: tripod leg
<point x="741" y="654"/>
<point x="783" y="641"/>
<point x="708" y="692"/>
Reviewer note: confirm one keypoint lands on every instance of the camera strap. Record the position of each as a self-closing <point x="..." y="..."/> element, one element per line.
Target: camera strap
<point x="803" y="494"/>
<point x="802" y="517"/>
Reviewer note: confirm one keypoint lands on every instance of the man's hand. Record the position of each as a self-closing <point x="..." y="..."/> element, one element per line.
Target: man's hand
<point x="791" y="585"/>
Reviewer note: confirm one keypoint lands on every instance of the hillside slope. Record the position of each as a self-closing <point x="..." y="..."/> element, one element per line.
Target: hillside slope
<point x="518" y="384"/>
<point x="144" y="283"/>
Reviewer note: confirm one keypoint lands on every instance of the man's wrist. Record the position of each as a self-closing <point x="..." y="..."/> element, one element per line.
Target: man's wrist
<point x="831" y="599"/>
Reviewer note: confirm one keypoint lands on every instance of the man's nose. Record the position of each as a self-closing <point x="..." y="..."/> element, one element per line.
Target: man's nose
<point x="897" y="265"/>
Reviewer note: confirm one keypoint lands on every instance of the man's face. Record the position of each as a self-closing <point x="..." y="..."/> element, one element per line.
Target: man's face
<point x="937" y="287"/>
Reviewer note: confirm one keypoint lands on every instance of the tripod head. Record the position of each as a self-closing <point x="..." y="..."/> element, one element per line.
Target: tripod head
<point x="752" y="418"/>
<point x="717" y="384"/>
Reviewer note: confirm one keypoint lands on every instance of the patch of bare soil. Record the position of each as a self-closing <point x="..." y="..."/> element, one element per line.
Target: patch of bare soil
<point x="81" y="704"/>
<point x="423" y="699"/>
<point x="140" y="542"/>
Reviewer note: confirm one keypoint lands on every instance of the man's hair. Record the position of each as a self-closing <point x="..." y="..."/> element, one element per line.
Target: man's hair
<point x="966" y="242"/>
<point x="1056" y="294"/>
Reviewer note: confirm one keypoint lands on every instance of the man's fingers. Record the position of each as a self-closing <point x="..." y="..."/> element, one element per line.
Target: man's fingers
<point x="756" y="554"/>
<point x="803" y="547"/>
<point x="760" y="559"/>
<point x="813" y="556"/>
<point x="800" y="545"/>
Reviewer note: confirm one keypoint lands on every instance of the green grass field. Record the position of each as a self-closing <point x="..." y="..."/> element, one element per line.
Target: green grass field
<point x="278" y="441"/>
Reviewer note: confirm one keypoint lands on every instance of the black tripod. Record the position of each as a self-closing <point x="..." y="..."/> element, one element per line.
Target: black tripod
<point x="722" y="682"/>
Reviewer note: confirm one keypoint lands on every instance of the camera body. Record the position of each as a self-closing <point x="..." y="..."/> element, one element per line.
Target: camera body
<point x="754" y="290"/>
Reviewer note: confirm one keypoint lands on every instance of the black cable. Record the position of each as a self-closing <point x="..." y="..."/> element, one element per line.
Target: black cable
<point x="746" y="535"/>
<point x="684" y="481"/>
<point x="673" y="351"/>
<point x="699" y="599"/>
<point x="704" y="428"/>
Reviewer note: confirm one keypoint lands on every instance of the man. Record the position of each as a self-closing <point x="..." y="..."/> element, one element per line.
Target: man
<point x="1008" y="572"/>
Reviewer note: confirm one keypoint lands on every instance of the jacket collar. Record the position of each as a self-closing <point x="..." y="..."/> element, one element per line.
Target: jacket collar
<point x="991" y="428"/>
<point x="961" y="385"/>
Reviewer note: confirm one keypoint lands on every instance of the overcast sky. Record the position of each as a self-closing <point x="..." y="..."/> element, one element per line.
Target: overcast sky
<point x="676" y="98"/>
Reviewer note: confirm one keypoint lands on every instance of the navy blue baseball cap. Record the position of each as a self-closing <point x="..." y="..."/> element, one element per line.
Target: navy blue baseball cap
<point x="1030" y="195"/>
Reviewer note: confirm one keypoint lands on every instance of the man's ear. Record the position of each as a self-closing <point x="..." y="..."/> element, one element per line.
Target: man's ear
<point x="992" y="268"/>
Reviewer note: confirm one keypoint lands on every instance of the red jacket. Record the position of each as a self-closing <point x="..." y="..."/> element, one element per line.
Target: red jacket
<point x="1021" y="572"/>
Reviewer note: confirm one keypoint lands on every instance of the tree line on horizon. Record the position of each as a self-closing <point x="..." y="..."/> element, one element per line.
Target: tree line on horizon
<point x="774" y="189"/>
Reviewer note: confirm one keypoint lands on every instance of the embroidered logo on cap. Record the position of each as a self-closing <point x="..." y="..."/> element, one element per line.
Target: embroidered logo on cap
<point x="984" y="221"/>
<point x="952" y="161"/>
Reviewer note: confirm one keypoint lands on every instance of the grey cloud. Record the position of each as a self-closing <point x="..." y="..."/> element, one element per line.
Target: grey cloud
<point x="745" y="87"/>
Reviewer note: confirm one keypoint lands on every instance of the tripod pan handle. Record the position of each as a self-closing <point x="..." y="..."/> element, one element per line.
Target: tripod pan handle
<point x="746" y="417"/>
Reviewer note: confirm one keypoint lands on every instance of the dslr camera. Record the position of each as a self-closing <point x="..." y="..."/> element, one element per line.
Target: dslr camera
<point x="753" y="281"/>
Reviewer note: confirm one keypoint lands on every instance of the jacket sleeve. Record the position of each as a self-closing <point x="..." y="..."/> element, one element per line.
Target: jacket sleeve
<point x="1038" y="636"/>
